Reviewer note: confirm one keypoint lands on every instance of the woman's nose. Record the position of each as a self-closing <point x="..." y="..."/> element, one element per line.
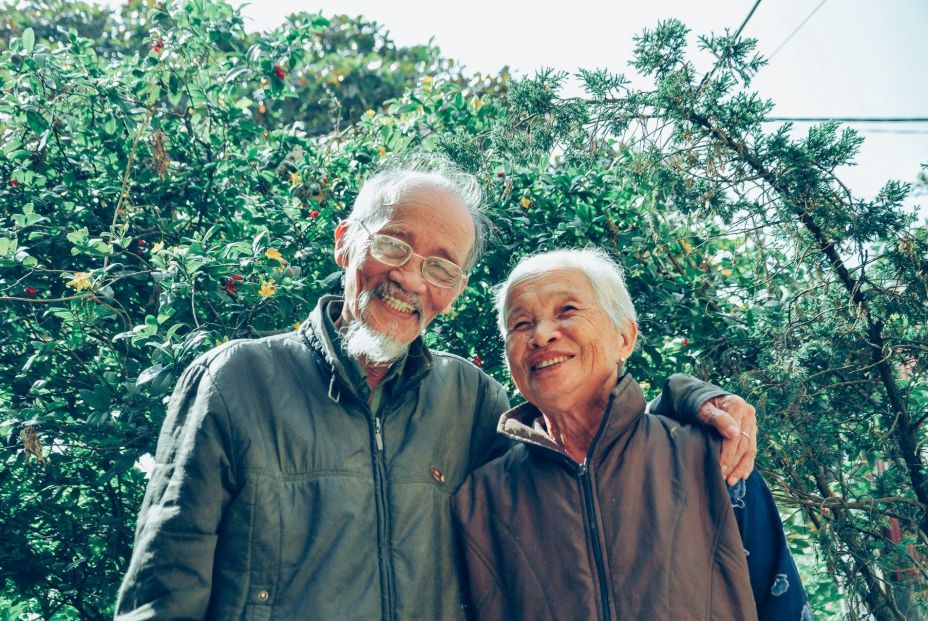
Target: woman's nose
<point x="546" y="331"/>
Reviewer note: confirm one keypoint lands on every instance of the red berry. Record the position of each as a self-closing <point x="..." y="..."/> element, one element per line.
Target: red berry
<point x="141" y="243"/>
<point x="14" y="182"/>
<point x="31" y="292"/>
<point x="157" y="46"/>
<point x="238" y="277"/>
<point x="279" y="72"/>
<point x="685" y="342"/>
<point x="231" y="287"/>
<point x="500" y="174"/>
<point x="313" y="214"/>
<point x="478" y="360"/>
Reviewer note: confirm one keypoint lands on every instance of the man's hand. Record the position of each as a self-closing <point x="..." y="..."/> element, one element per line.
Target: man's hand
<point x="735" y="419"/>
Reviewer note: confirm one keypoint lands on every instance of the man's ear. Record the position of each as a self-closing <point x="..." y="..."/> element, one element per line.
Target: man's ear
<point x="460" y="289"/>
<point x="341" y="251"/>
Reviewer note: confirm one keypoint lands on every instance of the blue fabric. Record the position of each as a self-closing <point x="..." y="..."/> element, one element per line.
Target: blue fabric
<point x="775" y="580"/>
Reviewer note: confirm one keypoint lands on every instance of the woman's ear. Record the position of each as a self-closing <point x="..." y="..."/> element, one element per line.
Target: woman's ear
<point x="628" y="336"/>
<point x="341" y="250"/>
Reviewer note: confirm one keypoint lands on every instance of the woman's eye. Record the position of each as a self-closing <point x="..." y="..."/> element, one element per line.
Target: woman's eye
<point x="519" y="325"/>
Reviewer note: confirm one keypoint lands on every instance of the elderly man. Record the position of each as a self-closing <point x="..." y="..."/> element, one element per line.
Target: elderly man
<point x="308" y="475"/>
<point x="599" y="511"/>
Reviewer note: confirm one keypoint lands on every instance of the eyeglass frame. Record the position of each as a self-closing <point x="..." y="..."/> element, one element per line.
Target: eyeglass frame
<point x="412" y="253"/>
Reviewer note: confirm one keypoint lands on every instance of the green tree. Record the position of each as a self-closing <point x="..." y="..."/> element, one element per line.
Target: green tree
<point x="169" y="181"/>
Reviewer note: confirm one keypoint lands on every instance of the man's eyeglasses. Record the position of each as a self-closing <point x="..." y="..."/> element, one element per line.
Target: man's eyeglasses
<point x="395" y="252"/>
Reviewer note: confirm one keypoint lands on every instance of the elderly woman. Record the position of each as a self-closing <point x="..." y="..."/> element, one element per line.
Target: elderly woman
<point x="600" y="512"/>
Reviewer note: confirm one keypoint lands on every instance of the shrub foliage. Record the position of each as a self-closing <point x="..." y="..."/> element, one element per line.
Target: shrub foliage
<point x="169" y="181"/>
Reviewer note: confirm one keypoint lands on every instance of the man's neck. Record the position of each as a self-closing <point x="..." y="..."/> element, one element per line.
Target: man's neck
<point x="375" y="373"/>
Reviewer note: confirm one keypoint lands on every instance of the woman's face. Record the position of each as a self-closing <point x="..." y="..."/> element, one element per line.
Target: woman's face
<point x="562" y="347"/>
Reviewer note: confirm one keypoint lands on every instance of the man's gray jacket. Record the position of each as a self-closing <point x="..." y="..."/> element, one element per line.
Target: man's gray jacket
<point x="277" y="494"/>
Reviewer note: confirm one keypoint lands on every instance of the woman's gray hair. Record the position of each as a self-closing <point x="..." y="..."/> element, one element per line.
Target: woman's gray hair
<point x="381" y="194"/>
<point x="604" y="274"/>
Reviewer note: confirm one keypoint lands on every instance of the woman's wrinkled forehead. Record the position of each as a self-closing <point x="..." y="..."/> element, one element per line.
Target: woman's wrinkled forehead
<point x="549" y="285"/>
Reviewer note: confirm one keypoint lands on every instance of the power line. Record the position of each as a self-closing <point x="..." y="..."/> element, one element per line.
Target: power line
<point x="797" y="29"/>
<point x="711" y="72"/>
<point x="893" y="131"/>
<point x="746" y="19"/>
<point x="850" y="119"/>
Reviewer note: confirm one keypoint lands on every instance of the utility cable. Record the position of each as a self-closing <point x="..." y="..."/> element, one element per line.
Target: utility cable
<point x="851" y="119"/>
<point x="797" y="29"/>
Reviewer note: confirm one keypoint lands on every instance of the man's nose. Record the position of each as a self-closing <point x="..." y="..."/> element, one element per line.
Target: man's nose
<point x="409" y="276"/>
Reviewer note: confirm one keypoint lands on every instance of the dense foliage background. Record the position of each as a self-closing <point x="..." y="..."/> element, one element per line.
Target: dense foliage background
<point x="168" y="182"/>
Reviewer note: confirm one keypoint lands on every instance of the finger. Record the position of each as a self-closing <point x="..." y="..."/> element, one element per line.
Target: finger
<point x="727" y="457"/>
<point x="743" y="467"/>
<point x="723" y="422"/>
<point x="733" y="456"/>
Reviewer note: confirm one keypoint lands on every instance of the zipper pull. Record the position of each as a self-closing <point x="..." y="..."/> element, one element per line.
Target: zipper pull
<point x="378" y="433"/>
<point x="582" y="469"/>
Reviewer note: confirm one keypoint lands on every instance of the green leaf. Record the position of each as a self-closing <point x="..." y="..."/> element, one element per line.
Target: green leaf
<point x="28" y="39"/>
<point x="79" y="237"/>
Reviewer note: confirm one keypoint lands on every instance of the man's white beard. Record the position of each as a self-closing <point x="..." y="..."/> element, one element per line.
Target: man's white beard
<point x="362" y="341"/>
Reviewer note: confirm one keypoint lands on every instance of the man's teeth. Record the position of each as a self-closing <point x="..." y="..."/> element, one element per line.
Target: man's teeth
<point x="398" y="305"/>
<point x="548" y="363"/>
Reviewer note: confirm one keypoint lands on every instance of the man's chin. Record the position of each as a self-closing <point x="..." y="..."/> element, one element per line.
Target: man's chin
<point x="379" y="348"/>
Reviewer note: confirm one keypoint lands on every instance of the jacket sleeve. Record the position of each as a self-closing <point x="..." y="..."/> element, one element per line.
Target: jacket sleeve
<point x="681" y="398"/>
<point x="486" y="443"/>
<point x="170" y="572"/>
<point x="778" y="592"/>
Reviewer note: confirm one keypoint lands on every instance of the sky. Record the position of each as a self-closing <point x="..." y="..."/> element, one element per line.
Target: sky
<point x="849" y="58"/>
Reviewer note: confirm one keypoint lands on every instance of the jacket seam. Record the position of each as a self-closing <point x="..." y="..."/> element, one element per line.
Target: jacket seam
<point x="544" y="592"/>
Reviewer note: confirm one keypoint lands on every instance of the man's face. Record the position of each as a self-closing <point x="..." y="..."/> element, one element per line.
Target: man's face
<point x="563" y="349"/>
<point x="396" y="301"/>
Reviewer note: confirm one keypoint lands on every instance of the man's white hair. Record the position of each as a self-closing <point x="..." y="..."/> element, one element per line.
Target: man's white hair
<point x="381" y="195"/>
<point x="604" y="274"/>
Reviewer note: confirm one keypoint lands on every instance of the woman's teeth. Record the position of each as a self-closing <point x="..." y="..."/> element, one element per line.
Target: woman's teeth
<point x="548" y="363"/>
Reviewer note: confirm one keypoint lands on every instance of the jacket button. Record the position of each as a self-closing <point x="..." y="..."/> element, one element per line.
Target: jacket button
<point x="438" y="474"/>
<point x="263" y="595"/>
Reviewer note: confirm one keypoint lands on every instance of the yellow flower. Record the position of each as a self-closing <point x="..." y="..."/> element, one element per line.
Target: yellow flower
<point x="428" y="79"/>
<point x="158" y="247"/>
<point x="296" y="325"/>
<point x="381" y="150"/>
<point x="427" y="84"/>
<point x="526" y="202"/>
<point x="369" y="114"/>
<point x="267" y="289"/>
<point x="274" y="253"/>
<point x="477" y="103"/>
<point x="80" y="281"/>
<point x="726" y="272"/>
<point x="295" y="179"/>
<point x="688" y="247"/>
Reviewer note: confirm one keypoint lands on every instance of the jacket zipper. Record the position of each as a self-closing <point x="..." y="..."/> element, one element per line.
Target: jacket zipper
<point x="383" y="521"/>
<point x="587" y="492"/>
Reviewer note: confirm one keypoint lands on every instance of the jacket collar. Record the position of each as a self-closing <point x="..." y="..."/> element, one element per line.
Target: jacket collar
<point x="525" y="423"/>
<point x="417" y="364"/>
